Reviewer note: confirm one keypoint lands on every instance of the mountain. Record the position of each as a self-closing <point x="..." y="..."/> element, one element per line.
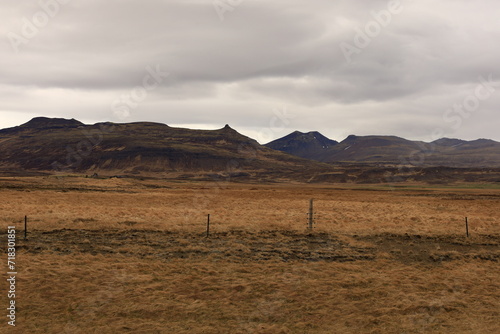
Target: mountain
<point x="392" y="150"/>
<point x="141" y="148"/>
<point x="45" y="146"/>
<point x="450" y="142"/>
<point x="52" y="123"/>
<point x="373" y="149"/>
<point x="311" y="145"/>
<point x="475" y="153"/>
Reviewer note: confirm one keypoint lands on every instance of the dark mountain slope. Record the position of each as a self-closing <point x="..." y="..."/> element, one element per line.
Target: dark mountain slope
<point x="391" y="150"/>
<point x="57" y="145"/>
<point x="371" y="149"/>
<point x="311" y="145"/>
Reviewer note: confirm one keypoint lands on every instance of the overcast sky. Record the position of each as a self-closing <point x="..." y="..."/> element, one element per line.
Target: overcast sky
<point x="405" y="68"/>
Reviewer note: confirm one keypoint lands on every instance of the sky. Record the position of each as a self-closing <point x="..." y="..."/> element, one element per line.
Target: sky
<point x="415" y="69"/>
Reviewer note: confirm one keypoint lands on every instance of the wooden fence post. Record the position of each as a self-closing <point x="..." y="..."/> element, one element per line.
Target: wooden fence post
<point x="311" y="214"/>
<point x="208" y="225"/>
<point x="25" y="227"/>
<point x="466" y="227"/>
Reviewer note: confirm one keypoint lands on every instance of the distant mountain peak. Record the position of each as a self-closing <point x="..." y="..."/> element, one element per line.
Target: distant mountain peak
<point x="306" y="145"/>
<point x="46" y="122"/>
<point x="229" y="130"/>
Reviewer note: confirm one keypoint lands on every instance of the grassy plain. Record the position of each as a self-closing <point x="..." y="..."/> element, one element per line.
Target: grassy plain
<point x="131" y="256"/>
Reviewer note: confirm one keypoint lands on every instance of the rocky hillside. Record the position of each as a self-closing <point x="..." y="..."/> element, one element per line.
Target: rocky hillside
<point x="69" y="146"/>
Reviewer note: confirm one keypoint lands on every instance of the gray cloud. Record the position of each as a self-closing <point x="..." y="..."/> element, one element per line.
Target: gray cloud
<point x="264" y="55"/>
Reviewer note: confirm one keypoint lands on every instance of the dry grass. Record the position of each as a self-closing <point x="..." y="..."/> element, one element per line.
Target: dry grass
<point x="104" y="294"/>
<point x="136" y="286"/>
<point x="118" y="203"/>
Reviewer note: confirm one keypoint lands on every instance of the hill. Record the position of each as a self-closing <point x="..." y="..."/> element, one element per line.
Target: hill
<point x="311" y="145"/>
<point x="142" y="148"/>
<point x="392" y="150"/>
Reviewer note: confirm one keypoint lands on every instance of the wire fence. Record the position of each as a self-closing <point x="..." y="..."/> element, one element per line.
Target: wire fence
<point x="317" y="216"/>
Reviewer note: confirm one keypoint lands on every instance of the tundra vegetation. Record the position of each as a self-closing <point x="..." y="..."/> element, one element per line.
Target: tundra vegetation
<point x="125" y="255"/>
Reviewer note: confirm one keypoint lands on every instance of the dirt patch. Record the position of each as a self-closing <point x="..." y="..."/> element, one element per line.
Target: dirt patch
<point x="422" y="248"/>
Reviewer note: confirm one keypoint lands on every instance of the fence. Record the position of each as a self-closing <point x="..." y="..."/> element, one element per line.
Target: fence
<point x="322" y="217"/>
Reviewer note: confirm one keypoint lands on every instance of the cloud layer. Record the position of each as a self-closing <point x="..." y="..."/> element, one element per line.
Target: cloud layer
<point x="412" y="68"/>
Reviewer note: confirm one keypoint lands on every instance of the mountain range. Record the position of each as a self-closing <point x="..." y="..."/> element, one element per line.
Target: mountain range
<point x="63" y="146"/>
<point x="391" y="150"/>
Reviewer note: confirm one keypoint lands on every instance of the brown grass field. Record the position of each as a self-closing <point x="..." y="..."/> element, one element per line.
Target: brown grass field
<point x="132" y="256"/>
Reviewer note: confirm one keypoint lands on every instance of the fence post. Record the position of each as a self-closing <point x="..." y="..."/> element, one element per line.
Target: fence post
<point x="466" y="227"/>
<point x="208" y="225"/>
<point x="25" y="227"/>
<point x="311" y="214"/>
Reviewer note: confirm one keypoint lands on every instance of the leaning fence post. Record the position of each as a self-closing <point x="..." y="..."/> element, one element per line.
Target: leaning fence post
<point x="466" y="227"/>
